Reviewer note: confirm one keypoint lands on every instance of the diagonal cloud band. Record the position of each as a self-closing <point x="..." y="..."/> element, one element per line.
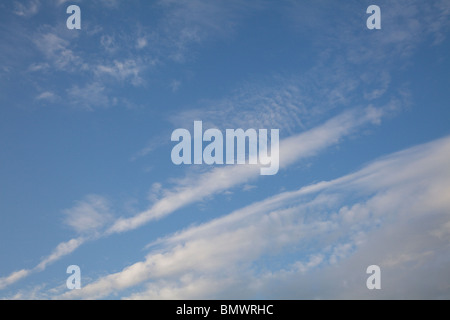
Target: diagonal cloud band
<point x="397" y="208"/>
<point x="292" y="149"/>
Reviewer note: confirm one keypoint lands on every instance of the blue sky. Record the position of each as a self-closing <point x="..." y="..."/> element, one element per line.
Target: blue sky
<point x="86" y="175"/>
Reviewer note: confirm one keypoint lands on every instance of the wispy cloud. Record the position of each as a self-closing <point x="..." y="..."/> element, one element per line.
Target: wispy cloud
<point x="195" y="188"/>
<point x="335" y="223"/>
<point x="89" y="215"/>
<point x="217" y="180"/>
<point x="61" y="250"/>
<point x="288" y="105"/>
<point x="57" y="51"/>
<point x="47" y="95"/>
<point x="279" y="105"/>
<point x="188" y="22"/>
<point x="13" y="277"/>
<point x="123" y="70"/>
<point x="27" y="9"/>
<point x="91" y="96"/>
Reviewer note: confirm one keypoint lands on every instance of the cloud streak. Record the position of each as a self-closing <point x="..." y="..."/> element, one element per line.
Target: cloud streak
<point x="61" y="250"/>
<point x="94" y="212"/>
<point x="89" y="215"/>
<point x="220" y="179"/>
<point x="395" y="208"/>
<point x="192" y="23"/>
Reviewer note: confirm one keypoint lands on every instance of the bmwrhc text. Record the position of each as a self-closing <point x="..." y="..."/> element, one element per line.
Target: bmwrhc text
<point x="246" y="309"/>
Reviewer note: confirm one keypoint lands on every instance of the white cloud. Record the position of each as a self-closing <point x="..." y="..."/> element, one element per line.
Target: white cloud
<point x="60" y="2"/>
<point x="28" y="9"/>
<point x="109" y="43"/>
<point x="141" y="43"/>
<point x="189" y="31"/>
<point x="175" y="85"/>
<point x="189" y="22"/>
<point x="394" y="213"/>
<point x="46" y="95"/>
<point x="248" y="187"/>
<point x="61" y="250"/>
<point x="35" y="293"/>
<point x="58" y="53"/>
<point x="38" y="67"/>
<point x="128" y="69"/>
<point x="93" y="211"/>
<point x="90" y="97"/>
<point x="88" y="215"/>
<point x="220" y="179"/>
<point x="196" y="188"/>
<point x="282" y="104"/>
<point x="13" y="277"/>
